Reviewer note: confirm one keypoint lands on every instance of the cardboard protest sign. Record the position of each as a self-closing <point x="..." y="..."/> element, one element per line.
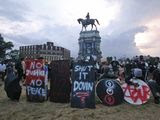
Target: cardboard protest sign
<point x="109" y="92"/>
<point x="83" y="86"/>
<point x="136" y="95"/>
<point x="36" y="80"/>
<point x="60" y="86"/>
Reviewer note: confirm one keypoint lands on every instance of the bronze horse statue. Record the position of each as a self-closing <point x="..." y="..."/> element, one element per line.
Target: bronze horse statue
<point x="86" y="22"/>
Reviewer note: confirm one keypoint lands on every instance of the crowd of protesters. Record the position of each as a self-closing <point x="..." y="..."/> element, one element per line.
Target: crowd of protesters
<point x="142" y="67"/>
<point x="123" y="68"/>
<point x="145" y="68"/>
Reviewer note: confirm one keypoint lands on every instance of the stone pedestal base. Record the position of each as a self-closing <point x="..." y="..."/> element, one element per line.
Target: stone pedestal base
<point x="89" y="44"/>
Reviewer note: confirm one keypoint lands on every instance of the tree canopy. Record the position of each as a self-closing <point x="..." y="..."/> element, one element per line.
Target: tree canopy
<point x="4" y="46"/>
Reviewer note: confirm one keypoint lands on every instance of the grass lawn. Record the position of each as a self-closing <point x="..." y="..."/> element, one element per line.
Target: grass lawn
<point x="24" y="110"/>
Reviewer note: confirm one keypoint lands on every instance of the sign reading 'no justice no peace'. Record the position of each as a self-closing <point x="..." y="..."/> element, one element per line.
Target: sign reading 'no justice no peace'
<point x="83" y="86"/>
<point x="36" y="80"/>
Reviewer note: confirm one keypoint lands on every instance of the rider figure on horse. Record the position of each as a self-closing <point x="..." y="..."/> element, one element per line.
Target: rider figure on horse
<point x="87" y="16"/>
<point x="87" y="21"/>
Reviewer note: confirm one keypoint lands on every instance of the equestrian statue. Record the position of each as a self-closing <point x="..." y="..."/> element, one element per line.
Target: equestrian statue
<point x="88" y="21"/>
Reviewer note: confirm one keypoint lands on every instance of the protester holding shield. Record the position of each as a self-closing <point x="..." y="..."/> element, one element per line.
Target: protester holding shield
<point x="136" y="91"/>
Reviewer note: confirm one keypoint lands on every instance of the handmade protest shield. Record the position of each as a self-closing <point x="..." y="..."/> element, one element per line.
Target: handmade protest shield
<point x="83" y="87"/>
<point x="136" y="95"/>
<point x="60" y="86"/>
<point x="36" y="80"/>
<point x="109" y="92"/>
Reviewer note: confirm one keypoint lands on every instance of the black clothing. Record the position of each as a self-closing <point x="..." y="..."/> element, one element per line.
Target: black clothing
<point x="141" y="65"/>
<point x="12" y="86"/>
<point x="19" y="69"/>
<point x="155" y="85"/>
<point x="115" y="65"/>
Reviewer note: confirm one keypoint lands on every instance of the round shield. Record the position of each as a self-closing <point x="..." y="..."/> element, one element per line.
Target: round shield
<point x="109" y="92"/>
<point x="136" y="95"/>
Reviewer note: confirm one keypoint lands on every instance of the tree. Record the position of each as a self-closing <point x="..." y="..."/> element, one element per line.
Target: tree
<point x="4" y="46"/>
<point x="13" y="54"/>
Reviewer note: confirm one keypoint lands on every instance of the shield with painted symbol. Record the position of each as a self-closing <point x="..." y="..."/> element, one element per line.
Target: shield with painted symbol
<point x="109" y="92"/>
<point x="136" y="95"/>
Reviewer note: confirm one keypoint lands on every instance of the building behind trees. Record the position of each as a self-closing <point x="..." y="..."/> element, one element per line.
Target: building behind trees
<point x="48" y="51"/>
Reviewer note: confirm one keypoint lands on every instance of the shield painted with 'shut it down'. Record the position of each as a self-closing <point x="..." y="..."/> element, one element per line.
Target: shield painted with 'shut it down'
<point x="109" y="92"/>
<point x="136" y="95"/>
<point x="83" y="86"/>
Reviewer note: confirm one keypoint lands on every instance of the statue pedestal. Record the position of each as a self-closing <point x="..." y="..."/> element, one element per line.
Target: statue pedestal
<point x="89" y="44"/>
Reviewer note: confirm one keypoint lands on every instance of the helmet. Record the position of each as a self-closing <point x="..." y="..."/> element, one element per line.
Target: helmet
<point x="137" y="72"/>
